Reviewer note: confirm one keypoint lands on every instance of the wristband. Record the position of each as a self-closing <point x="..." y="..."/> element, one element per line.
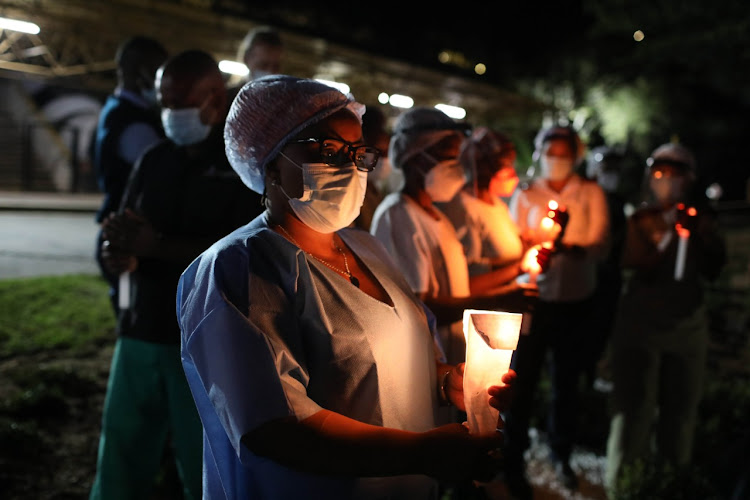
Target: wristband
<point x="444" y="401"/>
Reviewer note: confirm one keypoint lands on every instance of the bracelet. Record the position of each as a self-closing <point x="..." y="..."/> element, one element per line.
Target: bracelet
<point x="444" y="401"/>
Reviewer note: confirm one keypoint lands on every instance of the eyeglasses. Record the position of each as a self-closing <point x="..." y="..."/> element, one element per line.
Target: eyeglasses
<point x="337" y="152"/>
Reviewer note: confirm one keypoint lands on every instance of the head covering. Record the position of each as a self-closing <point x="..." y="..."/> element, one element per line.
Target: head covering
<point x="481" y="152"/>
<point x="417" y="130"/>
<point x="675" y="155"/>
<point x="565" y="133"/>
<point x="603" y="158"/>
<point x="268" y="112"/>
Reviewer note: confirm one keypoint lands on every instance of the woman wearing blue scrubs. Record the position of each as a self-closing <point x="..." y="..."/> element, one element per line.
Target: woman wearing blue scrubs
<point x="311" y="361"/>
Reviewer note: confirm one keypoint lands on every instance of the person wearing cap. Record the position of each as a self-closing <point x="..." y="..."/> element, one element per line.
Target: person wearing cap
<point x="422" y="240"/>
<point x="566" y="289"/>
<point x="309" y="358"/>
<point x="659" y="344"/>
<point x="488" y="233"/>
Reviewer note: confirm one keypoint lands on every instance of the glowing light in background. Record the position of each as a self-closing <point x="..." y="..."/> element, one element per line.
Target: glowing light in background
<point x="383" y="98"/>
<point x="15" y="25"/>
<point x="401" y="101"/>
<point x="714" y="191"/>
<point x="233" y="68"/>
<point x="638" y="36"/>
<point x="480" y="69"/>
<point x="453" y="111"/>
<point x="342" y="87"/>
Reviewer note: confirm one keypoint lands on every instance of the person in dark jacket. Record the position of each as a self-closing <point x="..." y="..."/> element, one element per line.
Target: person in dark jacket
<point x="181" y="197"/>
<point x="128" y="125"/>
<point x="673" y="249"/>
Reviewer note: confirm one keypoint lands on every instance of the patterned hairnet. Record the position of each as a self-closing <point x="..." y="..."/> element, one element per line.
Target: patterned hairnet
<point x="418" y="129"/>
<point x="269" y="111"/>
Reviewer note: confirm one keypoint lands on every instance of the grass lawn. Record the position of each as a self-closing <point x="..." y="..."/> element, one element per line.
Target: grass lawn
<point x="53" y="312"/>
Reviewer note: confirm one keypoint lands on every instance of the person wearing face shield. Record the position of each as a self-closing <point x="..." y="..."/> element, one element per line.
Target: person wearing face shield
<point x="566" y="291"/>
<point x="423" y="241"/>
<point x="659" y="344"/>
<point x="128" y="124"/>
<point x="309" y="358"/>
<point x="489" y="235"/>
<point x="181" y="197"/>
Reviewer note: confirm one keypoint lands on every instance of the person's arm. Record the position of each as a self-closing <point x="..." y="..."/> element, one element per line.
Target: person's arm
<point x="329" y="443"/>
<point x="492" y="281"/>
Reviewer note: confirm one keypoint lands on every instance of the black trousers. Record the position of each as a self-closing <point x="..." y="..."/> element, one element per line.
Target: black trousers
<point x="558" y="333"/>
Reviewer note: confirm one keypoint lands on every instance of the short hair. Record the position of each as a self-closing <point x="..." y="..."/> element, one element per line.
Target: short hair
<point x="263" y="35"/>
<point x="131" y="52"/>
<point x="191" y="63"/>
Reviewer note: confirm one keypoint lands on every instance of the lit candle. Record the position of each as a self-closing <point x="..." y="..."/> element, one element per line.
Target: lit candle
<point x="530" y="264"/>
<point x="682" y="244"/>
<point x="491" y="337"/>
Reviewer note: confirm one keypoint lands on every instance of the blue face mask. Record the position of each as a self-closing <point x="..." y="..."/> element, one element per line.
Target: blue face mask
<point x="184" y="126"/>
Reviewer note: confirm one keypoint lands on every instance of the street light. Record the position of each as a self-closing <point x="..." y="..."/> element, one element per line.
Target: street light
<point x="233" y="68"/>
<point x="15" y="25"/>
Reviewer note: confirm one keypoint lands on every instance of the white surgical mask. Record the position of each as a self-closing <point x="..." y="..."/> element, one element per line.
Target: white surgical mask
<point x="184" y="126"/>
<point x="556" y="168"/>
<point x="444" y="180"/>
<point x="332" y="196"/>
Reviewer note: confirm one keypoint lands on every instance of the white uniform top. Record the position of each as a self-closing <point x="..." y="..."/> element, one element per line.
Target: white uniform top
<point x="425" y="249"/>
<point x="487" y="231"/>
<point x="431" y="257"/>
<point x="569" y="278"/>
<point x="268" y="333"/>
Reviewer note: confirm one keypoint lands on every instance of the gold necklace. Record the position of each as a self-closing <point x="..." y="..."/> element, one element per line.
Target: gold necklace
<point x="354" y="281"/>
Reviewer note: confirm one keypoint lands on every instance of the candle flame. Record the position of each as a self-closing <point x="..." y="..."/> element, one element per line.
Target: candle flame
<point x="530" y="263"/>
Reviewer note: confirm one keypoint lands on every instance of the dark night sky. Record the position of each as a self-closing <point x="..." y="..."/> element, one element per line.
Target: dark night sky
<point x="695" y="52"/>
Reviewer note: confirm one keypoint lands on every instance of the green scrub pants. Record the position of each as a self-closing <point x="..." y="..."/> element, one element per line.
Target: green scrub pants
<point x="658" y="380"/>
<point x="148" y="402"/>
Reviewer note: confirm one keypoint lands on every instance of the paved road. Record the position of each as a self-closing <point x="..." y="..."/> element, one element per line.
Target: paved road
<point x="44" y="243"/>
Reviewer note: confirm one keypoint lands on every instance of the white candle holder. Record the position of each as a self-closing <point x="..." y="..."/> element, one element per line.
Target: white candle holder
<point x="491" y="338"/>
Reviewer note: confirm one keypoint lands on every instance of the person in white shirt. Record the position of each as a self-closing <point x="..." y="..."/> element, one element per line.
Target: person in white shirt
<point x="565" y="293"/>
<point x="420" y="238"/>
<point x="488" y="233"/>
